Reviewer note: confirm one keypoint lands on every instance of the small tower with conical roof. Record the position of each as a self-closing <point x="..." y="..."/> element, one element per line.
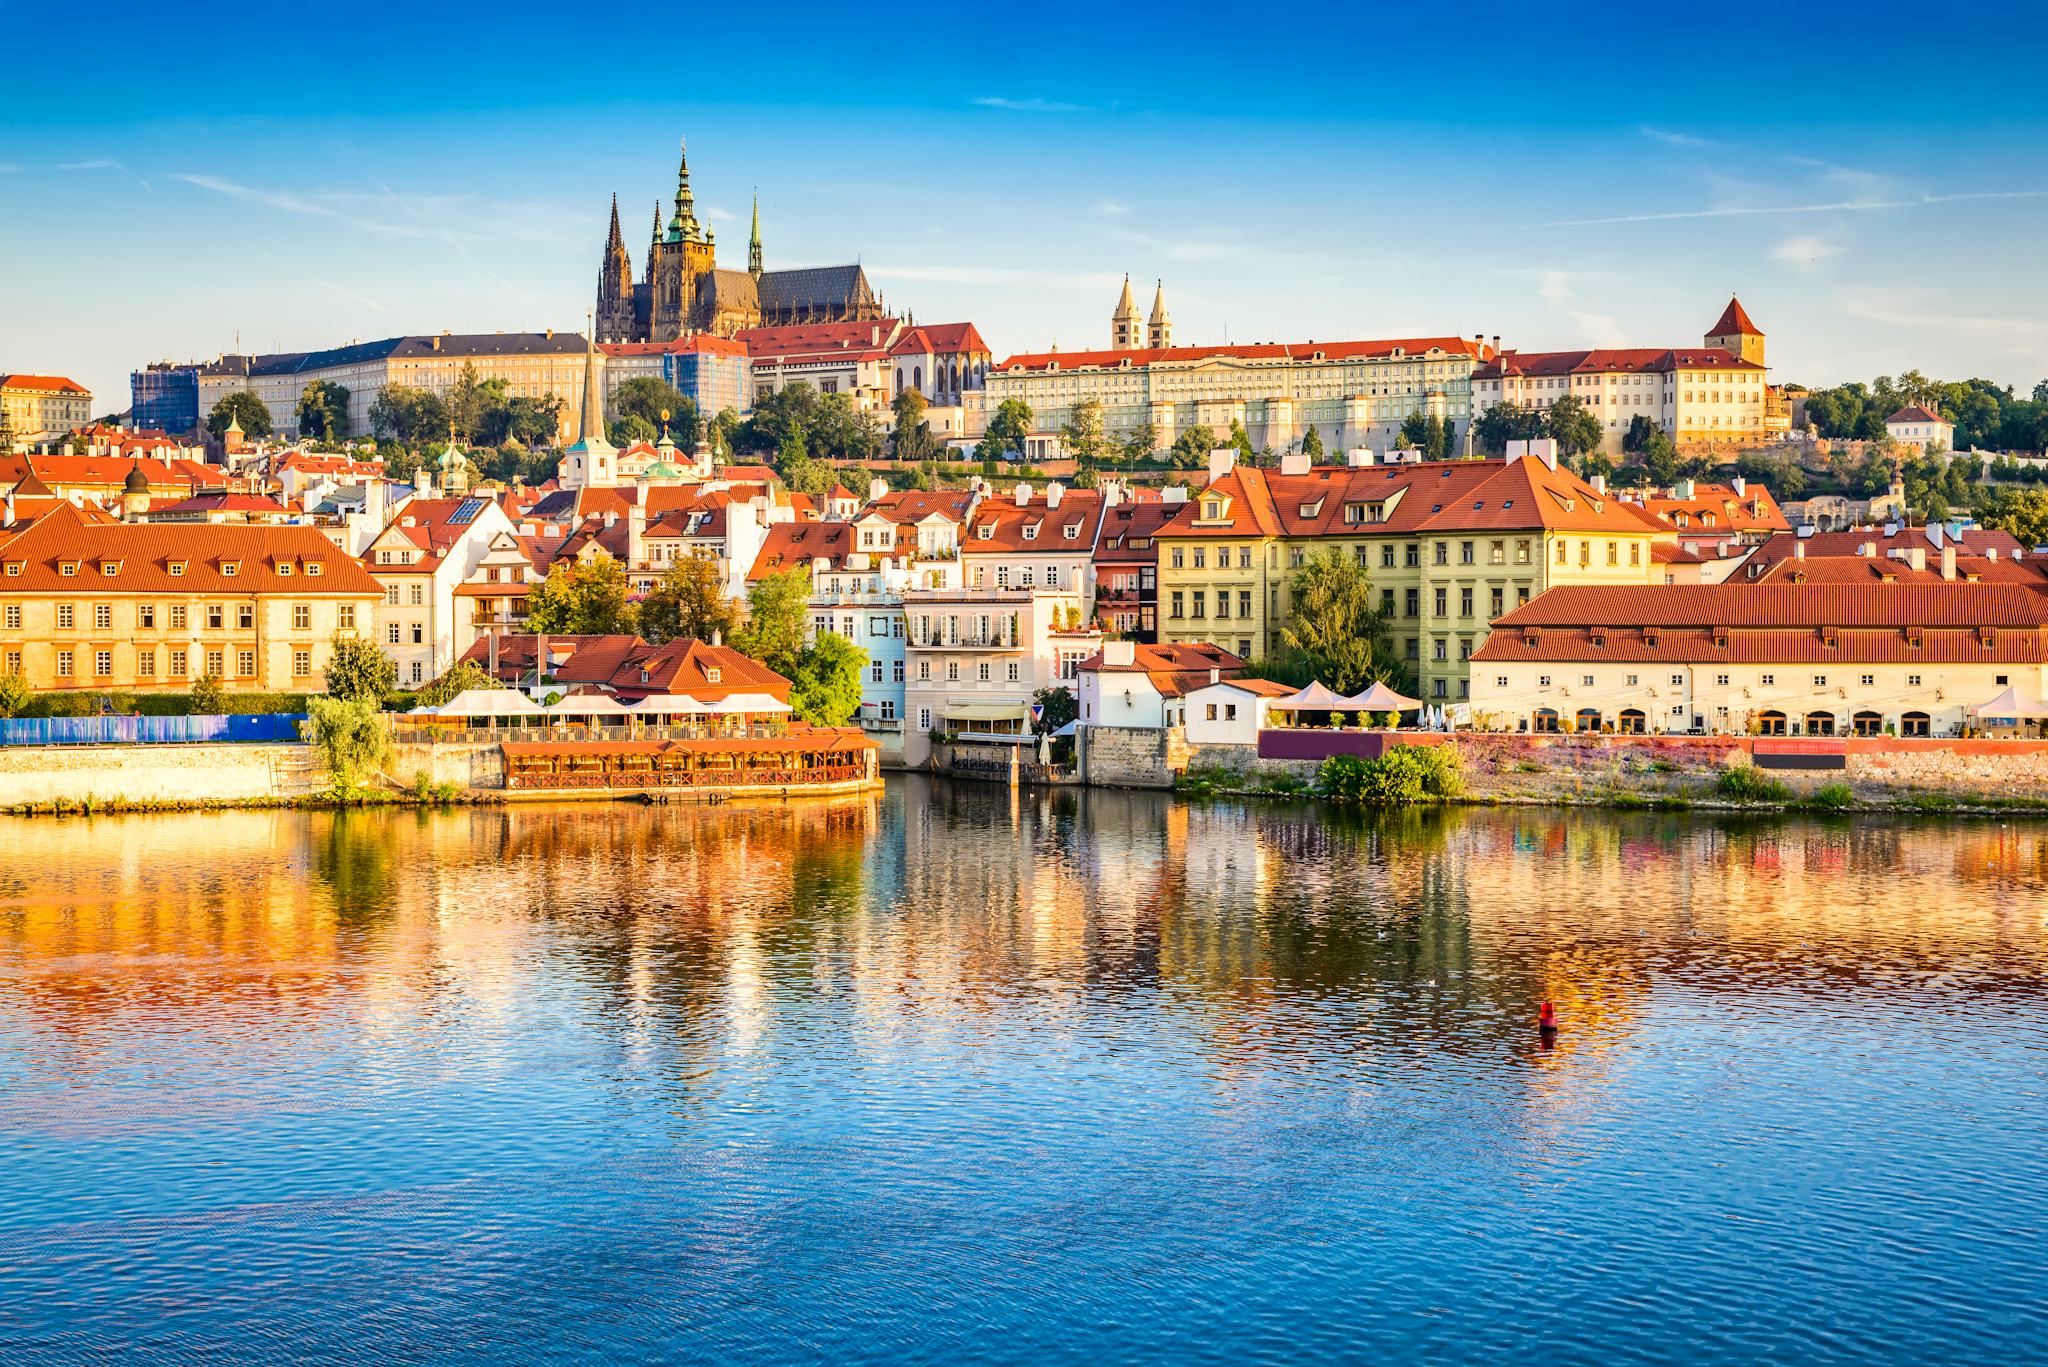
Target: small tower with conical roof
<point x="1159" y="331"/>
<point x="1125" y="330"/>
<point x="135" y="493"/>
<point x="1733" y="332"/>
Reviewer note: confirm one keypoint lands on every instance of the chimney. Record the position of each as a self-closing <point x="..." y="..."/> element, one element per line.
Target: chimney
<point x="1359" y="457"/>
<point x="1599" y="483"/>
<point x="1215" y="674"/>
<point x="717" y="637"/>
<point x="1496" y="344"/>
<point x="1119" y="652"/>
<point x="1948" y="561"/>
<point x="611" y="518"/>
<point x="1739" y="484"/>
<point x="1222" y="461"/>
<point x="636" y="535"/>
<point x="877" y="489"/>
<point x="1799" y="550"/>
<point x="1294" y="463"/>
<point x="1683" y="489"/>
<point x="1052" y="494"/>
<point x="1917" y="558"/>
<point x="1545" y="450"/>
<point x="1023" y="495"/>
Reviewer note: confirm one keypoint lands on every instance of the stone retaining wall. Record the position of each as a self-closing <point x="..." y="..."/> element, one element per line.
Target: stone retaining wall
<point x="1131" y="756"/>
<point x="466" y="764"/>
<point x="31" y="774"/>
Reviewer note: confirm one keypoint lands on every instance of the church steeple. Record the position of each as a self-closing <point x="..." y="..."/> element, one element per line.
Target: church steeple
<point x="1123" y="324"/>
<point x="683" y="227"/>
<point x="654" y="242"/>
<point x="1159" y="331"/>
<point x="754" y="243"/>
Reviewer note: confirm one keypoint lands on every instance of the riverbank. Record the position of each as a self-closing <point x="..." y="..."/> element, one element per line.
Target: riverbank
<point x="1679" y="773"/>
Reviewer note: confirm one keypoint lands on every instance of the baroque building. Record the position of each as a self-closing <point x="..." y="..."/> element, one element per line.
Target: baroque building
<point x="683" y="291"/>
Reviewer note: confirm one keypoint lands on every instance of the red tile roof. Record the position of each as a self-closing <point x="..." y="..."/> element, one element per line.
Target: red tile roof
<point x="110" y="472"/>
<point x="946" y="338"/>
<point x="1650" y="360"/>
<point x="1720" y="508"/>
<point x="1914" y="413"/>
<point x="58" y="384"/>
<point x="145" y="553"/>
<point x="1037" y="528"/>
<point x="794" y="545"/>
<point x="1734" y="320"/>
<point x="1781" y="606"/>
<point x="619" y="663"/>
<point x="1128" y="530"/>
<point x="798" y="340"/>
<point x="1262" y="351"/>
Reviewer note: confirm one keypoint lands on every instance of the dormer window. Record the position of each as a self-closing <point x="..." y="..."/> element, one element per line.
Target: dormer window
<point x="67" y="568"/>
<point x="230" y="568"/>
<point x="314" y="568"/>
<point x="110" y="568"/>
<point x="1031" y="532"/>
<point x="14" y="569"/>
<point x="284" y="569"/>
<point x="1211" y="509"/>
<point x="176" y="568"/>
<point x="1073" y="530"/>
<point x="713" y="674"/>
<point x="644" y="678"/>
<point x="985" y="532"/>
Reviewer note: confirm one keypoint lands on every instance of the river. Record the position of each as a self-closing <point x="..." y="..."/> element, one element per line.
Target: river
<point x="951" y="1075"/>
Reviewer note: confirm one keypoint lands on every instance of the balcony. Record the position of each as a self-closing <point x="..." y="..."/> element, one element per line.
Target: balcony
<point x="994" y="641"/>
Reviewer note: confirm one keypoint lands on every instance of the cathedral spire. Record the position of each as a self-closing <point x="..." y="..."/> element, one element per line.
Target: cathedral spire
<point x="754" y="242"/>
<point x="615" y="243"/>
<point x="1159" y="329"/>
<point x="683" y="227"/>
<point x="1123" y="324"/>
<point x="590" y="427"/>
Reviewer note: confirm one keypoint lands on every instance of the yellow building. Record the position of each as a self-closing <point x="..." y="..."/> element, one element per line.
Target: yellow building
<point x="1450" y="546"/>
<point x="34" y="406"/>
<point x="155" y="606"/>
<point x="1352" y="393"/>
<point x="1710" y="396"/>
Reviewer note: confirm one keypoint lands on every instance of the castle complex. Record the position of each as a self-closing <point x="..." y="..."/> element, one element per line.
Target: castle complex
<point x="683" y="290"/>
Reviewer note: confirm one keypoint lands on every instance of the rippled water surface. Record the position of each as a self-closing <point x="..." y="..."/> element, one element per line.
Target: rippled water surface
<point x="947" y="1076"/>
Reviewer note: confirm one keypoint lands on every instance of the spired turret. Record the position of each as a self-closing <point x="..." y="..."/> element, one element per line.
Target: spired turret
<point x="1159" y="330"/>
<point x="1124" y="326"/>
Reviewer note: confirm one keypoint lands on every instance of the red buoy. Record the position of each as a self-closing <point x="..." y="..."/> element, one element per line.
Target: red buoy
<point x="1546" y="1018"/>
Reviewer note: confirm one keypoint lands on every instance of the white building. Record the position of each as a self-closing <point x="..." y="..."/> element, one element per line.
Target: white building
<point x="1919" y="427"/>
<point x="1131" y="684"/>
<point x="1230" y="711"/>
<point x="977" y="656"/>
<point x="433" y="546"/>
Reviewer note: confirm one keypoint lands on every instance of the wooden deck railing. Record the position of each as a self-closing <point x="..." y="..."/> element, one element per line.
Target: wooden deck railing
<point x="633" y="780"/>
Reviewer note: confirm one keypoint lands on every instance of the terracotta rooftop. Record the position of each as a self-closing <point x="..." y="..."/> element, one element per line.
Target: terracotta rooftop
<point x="1267" y="352"/>
<point x="175" y="557"/>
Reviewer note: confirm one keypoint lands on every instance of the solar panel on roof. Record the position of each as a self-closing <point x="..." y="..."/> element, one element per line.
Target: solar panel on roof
<point x="467" y="510"/>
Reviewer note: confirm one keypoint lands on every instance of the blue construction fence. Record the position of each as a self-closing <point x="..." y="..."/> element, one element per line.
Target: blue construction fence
<point x="134" y="730"/>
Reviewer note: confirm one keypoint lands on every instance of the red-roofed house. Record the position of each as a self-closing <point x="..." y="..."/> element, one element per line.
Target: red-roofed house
<point x="432" y="546"/>
<point x="39" y="407"/>
<point x="1133" y="684"/>
<point x="1706" y="515"/>
<point x="1921" y="428"/>
<point x="1816" y="659"/>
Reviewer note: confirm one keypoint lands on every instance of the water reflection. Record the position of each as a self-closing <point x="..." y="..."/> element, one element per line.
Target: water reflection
<point x="1146" y="1054"/>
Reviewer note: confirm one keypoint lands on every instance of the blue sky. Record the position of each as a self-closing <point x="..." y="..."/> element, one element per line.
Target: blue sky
<point x="1872" y="181"/>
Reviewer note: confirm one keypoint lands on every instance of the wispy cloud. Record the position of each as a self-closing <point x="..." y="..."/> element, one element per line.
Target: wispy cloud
<point x="1913" y="312"/>
<point x="1672" y="139"/>
<point x="1840" y="206"/>
<point x="1112" y="208"/>
<point x="96" y="164"/>
<point x="8" y="168"/>
<point x="345" y="293"/>
<point x="718" y="215"/>
<point x="456" y="221"/>
<point x="1034" y="105"/>
<point x="1556" y="287"/>
<point x="1805" y="251"/>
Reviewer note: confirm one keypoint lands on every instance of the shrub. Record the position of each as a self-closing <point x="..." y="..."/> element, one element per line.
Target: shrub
<point x="1829" y="797"/>
<point x="350" y="736"/>
<point x="208" y="697"/>
<point x="1404" y="776"/>
<point x="1747" y="784"/>
<point x="14" y="694"/>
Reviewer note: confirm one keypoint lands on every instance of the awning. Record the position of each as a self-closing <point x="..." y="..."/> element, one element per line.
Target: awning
<point x="589" y="705"/>
<point x="1314" y="698"/>
<point x="2011" y="703"/>
<point x="749" y="702"/>
<point x="670" y="705"/>
<point x="490" y="702"/>
<point x="985" y="711"/>
<point x="1380" y="698"/>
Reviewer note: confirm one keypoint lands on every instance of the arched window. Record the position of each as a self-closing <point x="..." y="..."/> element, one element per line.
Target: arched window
<point x="1820" y="723"/>
<point x="917" y="377"/>
<point x="1867" y="724"/>
<point x="954" y="375"/>
<point x="1546" y="719"/>
<point x="1588" y="719"/>
<point x="899" y="379"/>
<point x="1771" y="723"/>
<point x="1631" y="722"/>
<point x="1914" y="724"/>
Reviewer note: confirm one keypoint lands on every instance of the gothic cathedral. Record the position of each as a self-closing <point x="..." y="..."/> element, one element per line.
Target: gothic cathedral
<point x="684" y="291"/>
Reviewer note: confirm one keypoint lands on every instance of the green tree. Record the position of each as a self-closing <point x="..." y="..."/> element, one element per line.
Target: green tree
<point x="1336" y="630"/>
<point x="2024" y="513"/>
<point x="1241" y="441"/>
<point x="774" y="630"/>
<point x="1010" y="425"/>
<point x="468" y="400"/>
<point x="1572" y="426"/>
<point x="409" y="414"/>
<point x="1503" y="423"/>
<point x="912" y="440"/>
<point x="1141" y="444"/>
<point x="1660" y="457"/>
<point x="1414" y="430"/>
<point x="351" y="737"/>
<point x="1191" y="449"/>
<point x="323" y="410"/>
<point x="589" y="599"/>
<point x="688" y="601"/>
<point x="629" y="429"/>
<point x="824" y="685"/>
<point x="1081" y="434"/>
<point x="1312" y="445"/>
<point x="458" y="678"/>
<point x="209" y="699"/>
<point x="14" y="694"/>
<point x="648" y="397"/>
<point x="359" y="669"/>
<point x="1638" y="435"/>
<point x="243" y="407"/>
<point x="1057" y="706"/>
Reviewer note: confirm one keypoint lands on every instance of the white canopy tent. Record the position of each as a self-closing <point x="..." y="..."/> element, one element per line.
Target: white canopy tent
<point x="1380" y="698"/>
<point x="486" y="702"/>
<point x="749" y="703"/>
<point x="589" y="705"/>
<point x="2010" y="704"/>
<point x="1314" y="698"/>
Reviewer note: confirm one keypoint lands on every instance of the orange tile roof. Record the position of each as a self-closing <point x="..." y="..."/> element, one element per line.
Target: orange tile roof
<point x="146" y="551"/>
<point x="1037" y="528"/>
<point x="1914" y="413"/>
<point x="57" y="384"/>
<point x="1603" y="361"/>
<point x="1752" y="510"/>
<point x="1248" y="510"/>
<point x="794" y="545"/>
<point x="1781" y="606"/>
<point x="110" y="472"/>
<point x="1262" y="351"/>
<point x="1734" y="319"/>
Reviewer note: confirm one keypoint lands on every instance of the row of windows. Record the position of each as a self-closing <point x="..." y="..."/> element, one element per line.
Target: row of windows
<point x="1722" y="680"/>
<point x="176" y="616"/>
<point x="1199" y="600"/>
<point x="984" y="671"/>
<point x="176" y="661"/>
